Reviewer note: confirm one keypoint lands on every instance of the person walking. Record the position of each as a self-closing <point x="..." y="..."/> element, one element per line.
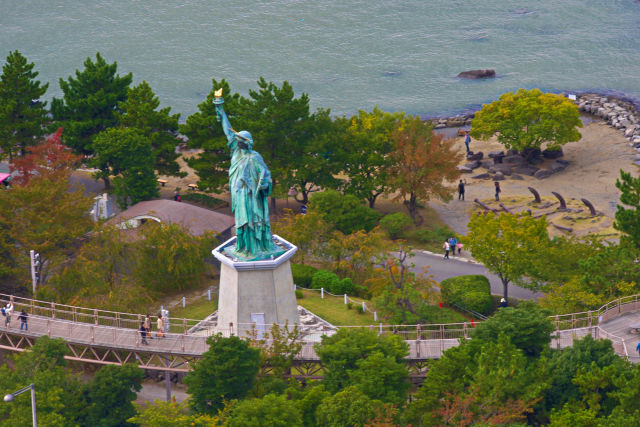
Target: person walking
<point x="446" y="247"/>
<point x="467" y="140"/>
<point x="147" y="324"/>
<point x="143" y="333"/>
<point x="461" y="190"/>
<point x="8" y="311"/>
<point x="638" y="348"/>
<point x="160" y="333"/>
<point x="452" y="245"/>
<point x="23" y="320"/>
<point x="498" y="191"/>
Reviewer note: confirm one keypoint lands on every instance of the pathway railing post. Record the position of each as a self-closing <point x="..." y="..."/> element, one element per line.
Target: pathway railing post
<point x="182" y="342"/>
<point x="93" y="335"/>
<point x="184" y="321"/>
<point x="557" y="333"/>
<point x="95" y="317"/>
<point x="53" y="310"/>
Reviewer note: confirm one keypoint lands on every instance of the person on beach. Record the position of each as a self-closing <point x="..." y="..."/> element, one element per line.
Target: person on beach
<point x="446" y="248"/>
<point x="461" y="190"/>
<point x="498" y="191"/>
<point x="467" y="140"/>
<point x="23" y="320"/>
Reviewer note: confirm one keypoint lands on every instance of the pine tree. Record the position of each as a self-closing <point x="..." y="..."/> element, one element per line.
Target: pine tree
<point x="90" y="102"/>
<point x="140" y="111"/>
<point x="22" y="114"/>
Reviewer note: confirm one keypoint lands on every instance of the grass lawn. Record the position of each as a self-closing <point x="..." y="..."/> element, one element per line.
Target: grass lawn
<point x="333" y="309"/>
<point x="197" y="310"/>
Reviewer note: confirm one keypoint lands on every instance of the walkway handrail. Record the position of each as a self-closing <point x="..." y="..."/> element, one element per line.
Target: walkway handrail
<point x="126" y="320"/>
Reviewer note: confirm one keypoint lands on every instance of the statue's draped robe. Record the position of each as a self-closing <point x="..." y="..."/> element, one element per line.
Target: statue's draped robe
<point x="250" y="186"/>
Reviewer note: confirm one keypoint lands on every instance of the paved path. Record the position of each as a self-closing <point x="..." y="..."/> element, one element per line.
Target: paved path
<point x="442" y="268"/>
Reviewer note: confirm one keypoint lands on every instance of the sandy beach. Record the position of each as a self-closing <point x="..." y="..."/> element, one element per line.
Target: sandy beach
<point x="594" y="165"/>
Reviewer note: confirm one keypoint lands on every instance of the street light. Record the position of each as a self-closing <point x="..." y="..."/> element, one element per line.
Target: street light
<point x="9" y="398"/>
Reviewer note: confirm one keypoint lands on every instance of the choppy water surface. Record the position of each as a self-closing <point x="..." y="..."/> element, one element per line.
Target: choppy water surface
<point x="347" y="54"/>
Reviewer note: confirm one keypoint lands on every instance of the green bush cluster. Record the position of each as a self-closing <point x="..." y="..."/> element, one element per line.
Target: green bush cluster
<point x="302" y="274"/>
<point x="204" y="200"/>
<point x="345" y="212"/>
<point x="396" y="224"/>
<point x="332" y="283"/>
<point x="472" y="292"/>
<point x="436" y="234"/>
<point x="299" y="294"/>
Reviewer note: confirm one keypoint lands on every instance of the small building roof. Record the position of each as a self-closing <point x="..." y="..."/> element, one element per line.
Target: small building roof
<point x="195" y="219"/>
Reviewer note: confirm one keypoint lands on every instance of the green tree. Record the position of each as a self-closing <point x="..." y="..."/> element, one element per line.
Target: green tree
<point x="110" y="395"/>
<point x="628" y="219"/>
<point x="44" y="216"/>
<point x="347" y="408"/>
<point x="345" y="212"/>
<point x="140" y="111"/>
<point x="528" y="328"/>
<point x="270" y="411"/>
<point x="422" y="163"/>
<point x="367" y="150"/>
<point x="508" y="245"/>
<point x="346" y="357"/>
<point x="395" y="224"/>
<point x="126" y="155"/>
<point x="22" y="114"/>
<point x="279" y="124"/>
<point x="58" y="392"/>
<point x="90" y="102"/>
<point x="205" y="132"/>
<point x="227" y="370"/>
<point x="527" y="119"/>
<point x="170" y="414"/>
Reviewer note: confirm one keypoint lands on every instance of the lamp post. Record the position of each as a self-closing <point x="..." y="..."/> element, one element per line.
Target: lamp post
<point x="9" y="398"/>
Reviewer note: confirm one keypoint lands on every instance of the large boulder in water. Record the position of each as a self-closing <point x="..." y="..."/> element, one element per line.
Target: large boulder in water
<point x="477" y="74"/>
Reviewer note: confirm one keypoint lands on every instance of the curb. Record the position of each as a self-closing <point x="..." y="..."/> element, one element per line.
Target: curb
<point x="469" y="261"/>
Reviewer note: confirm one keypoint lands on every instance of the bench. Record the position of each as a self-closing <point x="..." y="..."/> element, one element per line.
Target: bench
<point x="162" y="181"/>
<point x="193" y="186"/>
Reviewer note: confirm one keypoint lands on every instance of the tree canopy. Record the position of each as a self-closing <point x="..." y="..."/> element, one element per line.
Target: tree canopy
<point x="22" y="113"/>
<point x="527" y="119"/>
<point x="423" y="163"/>
<point x="90" y="102"/>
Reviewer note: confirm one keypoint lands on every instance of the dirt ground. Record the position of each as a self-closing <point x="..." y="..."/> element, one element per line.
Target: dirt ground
<point x="594" y="165"/>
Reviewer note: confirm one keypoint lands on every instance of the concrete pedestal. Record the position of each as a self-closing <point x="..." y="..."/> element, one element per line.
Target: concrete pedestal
<point x="255" y="292"/>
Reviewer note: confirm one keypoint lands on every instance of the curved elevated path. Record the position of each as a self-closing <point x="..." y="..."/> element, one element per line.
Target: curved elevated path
<point x="105" y="337"/>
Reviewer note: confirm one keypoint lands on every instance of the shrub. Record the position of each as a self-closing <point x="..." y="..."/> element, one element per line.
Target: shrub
<point x="360" y="309"/>
<point x="344" y="211"/>
<point x="299" y="294"/>
<point x="472" y="292"/>
<point x="302" y="274"/>
<point x="396" y="224"/>
<point x="325" y="279"/>
<point x="349" y="305"/>
<point x="436" y="234"/>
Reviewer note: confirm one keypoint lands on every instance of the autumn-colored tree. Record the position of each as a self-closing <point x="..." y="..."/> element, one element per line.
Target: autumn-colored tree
<point x="422" y="164"/>
<point x="49" y="158"/>
<point x="354" y="255"/>
<point x="401" y="291"/>
<point x="527" y="119"/>
<point x="508" y="245"/>
<point x="308" y="232"/>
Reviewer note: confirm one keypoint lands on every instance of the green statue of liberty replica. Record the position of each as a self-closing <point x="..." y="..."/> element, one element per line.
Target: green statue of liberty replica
<point x="250" y="186"/>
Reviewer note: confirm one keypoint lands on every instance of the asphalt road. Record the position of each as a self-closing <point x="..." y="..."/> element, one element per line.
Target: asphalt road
<point x="442" y="269"/>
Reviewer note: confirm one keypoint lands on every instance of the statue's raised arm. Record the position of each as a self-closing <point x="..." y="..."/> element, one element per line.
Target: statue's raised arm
<point x="222" y="116"/>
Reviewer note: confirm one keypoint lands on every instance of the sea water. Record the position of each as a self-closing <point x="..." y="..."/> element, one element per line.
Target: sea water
<point x="346" y="54"/>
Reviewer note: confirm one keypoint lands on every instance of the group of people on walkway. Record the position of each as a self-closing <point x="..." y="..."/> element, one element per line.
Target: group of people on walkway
<point x="7" y="312"/>
<point x="450" y="245"/>
<point x="162" y="324"/>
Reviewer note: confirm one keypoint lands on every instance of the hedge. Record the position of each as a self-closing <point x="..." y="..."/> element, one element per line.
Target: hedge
<point x="303" y="274"/>
<point x="472" y="292"/>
